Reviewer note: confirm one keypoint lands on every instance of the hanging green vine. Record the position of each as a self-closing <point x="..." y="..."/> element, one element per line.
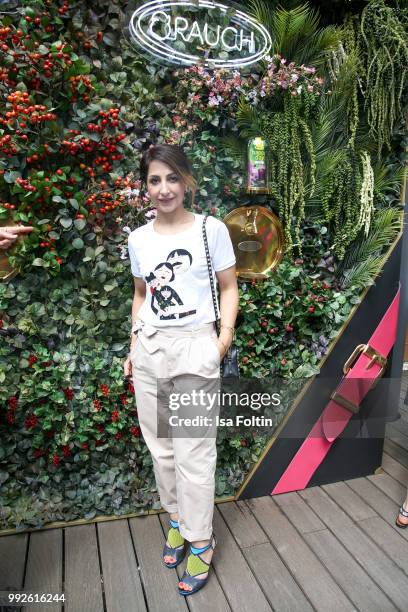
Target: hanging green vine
<point x="384" y="42"/>
<point x="344" y="67"/>
<point x="354" y="68"/>
<point x="292" y="164"/>
<point x="348" y="200"/>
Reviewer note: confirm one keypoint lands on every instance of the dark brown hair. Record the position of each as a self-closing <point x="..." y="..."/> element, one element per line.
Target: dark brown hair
<point x="173" y="156"/>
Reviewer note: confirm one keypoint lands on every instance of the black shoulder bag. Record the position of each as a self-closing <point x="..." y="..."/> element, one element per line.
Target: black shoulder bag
<point x="230" y="364"/>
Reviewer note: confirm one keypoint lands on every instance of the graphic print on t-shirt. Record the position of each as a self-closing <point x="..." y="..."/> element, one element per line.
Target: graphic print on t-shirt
<point x="166" y="302"/>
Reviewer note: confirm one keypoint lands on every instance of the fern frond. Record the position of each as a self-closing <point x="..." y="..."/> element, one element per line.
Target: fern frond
<point x="295" y="32"/>
<point x="387" y="179"/>
<point x="362" y="274"/>
<point x="248" y="119"/>
<point x="365" y="253"/>
<point x="262" y="11"/>
<point x="297" y="37"/>
<point x="232" y="146"/>
<point x="386" y="225"/>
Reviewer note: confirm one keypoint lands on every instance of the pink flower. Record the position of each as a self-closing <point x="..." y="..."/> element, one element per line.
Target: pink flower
<point x="213" y="101"/>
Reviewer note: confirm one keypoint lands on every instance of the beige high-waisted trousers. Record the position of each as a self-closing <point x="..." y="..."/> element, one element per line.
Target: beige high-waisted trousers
<point x="184" y="467"/>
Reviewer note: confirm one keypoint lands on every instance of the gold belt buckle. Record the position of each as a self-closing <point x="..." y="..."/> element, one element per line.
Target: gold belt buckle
<point x="375" y="357"/>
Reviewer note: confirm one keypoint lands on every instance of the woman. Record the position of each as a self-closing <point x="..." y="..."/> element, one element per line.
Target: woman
<point x="168" y="346"/>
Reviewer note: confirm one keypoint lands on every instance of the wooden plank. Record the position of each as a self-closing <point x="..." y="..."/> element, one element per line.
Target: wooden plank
<point x="397" y="436"/>
<point x="390" y="487"/>
<point x="237" y="581"/>
<point x="123" y="588"/>
<point x="352" y="503"/>
<point x="352" y="578"/>
<point x="398" y="453"/>
<point x="395" y="469"/>
<point x="12" y="561"/>
<point x="304" y="519"/>
<point x="242" y="524"/>
<point x="354" y="581"/>
<point x="160" y="582"/>
<point x="82" y="580"/>
<point x="275" y="579"/>
<point x="385" y="536"/>
<point x="44" y="567"/>
<point x="312" y="577"/>
<point x="376" y="563"/>
<point x="401" y="426"/>
<point x="278" y="584"/>
<point x="382" y="504"/>
<point x="211" y="592"/>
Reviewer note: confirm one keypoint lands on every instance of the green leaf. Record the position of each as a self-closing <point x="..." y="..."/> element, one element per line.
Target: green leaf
<point x="78" y="243"/>
<point x="66" y="222"/>
<point x="109" y="40"/>
<point x="80" y="223"/>
<point x="11" y="175"/>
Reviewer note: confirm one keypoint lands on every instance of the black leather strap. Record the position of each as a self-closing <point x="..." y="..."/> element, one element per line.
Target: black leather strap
<point x="209" y="267"/>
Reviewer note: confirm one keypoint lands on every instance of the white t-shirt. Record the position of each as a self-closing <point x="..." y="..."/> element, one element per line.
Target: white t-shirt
<point x="174" y="267"/>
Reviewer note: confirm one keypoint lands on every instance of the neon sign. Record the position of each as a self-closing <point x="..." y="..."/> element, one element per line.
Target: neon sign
<point x="186" y="32"/>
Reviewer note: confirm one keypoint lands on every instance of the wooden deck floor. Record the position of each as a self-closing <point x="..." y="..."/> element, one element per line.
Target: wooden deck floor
<point x="329" y="548"/>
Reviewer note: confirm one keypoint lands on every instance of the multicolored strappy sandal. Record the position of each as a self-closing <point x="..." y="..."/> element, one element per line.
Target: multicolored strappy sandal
<point x="403" y="513"/>
<point x="196" y="566"/>
<point x="176" y="542"/>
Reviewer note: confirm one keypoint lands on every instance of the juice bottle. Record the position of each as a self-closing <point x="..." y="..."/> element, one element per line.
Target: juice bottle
<point x="257" y="177"/>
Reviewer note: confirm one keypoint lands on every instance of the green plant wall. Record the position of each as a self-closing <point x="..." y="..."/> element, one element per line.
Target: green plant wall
<point x="78" y="103"/>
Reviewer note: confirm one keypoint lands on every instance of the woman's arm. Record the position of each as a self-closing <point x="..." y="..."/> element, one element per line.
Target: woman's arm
<point x="229" y="303"/>
<point x="138" y="299"/>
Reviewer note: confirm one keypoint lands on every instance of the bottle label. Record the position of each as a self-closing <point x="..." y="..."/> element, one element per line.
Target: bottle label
<point x="256" y="163"/>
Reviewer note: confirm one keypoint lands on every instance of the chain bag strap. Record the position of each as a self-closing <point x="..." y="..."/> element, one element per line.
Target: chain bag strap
<point x="230" y="363"/>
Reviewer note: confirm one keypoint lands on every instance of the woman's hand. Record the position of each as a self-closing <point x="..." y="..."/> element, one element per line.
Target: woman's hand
<point x="8" y="235"/>
<point x="127" y="366"/>
<point x="221" y="348"/>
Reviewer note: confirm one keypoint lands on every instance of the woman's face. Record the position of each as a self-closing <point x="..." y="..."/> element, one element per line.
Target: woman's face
<point x="165" y="187"/>
<point x="163" y="274"/>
